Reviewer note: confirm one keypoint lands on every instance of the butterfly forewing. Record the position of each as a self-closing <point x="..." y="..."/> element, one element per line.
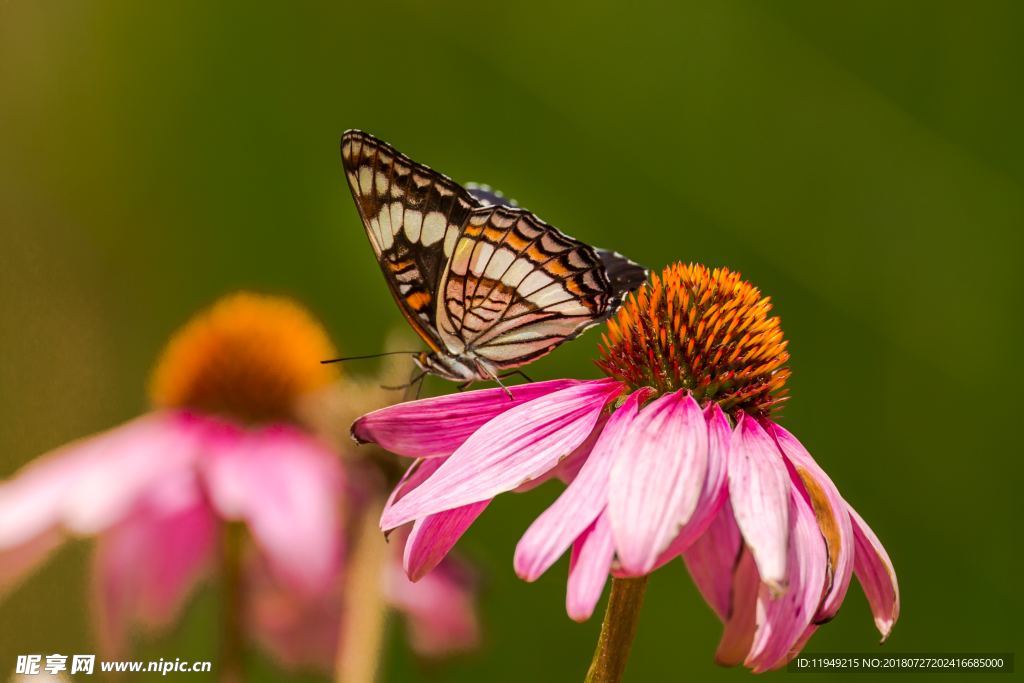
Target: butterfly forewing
<point x="516" y="288"/>
<point x="413" y="217"/>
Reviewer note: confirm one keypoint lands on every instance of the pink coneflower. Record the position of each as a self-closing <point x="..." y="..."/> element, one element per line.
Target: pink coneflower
<point x="675" y="454"/>
<point x="224" y="472"/>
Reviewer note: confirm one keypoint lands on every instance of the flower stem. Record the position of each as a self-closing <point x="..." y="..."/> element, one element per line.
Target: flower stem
<point x="231" y="645"/>
<point x="617" y="630"/>
<point x="364" y="617"/>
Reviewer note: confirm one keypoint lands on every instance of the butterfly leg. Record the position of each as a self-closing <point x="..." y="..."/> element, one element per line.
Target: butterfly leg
<point x="513" y="373"/>
<point x="505" y="389"/>
<point x="420" y="379"/>
<point x="484" y="370"/>
<point x="464" y="386"/>
<point x="417" y="376"/>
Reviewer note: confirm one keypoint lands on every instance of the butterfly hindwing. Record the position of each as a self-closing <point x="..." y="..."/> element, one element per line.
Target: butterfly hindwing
<point x="485" y="195"/>
<point x="412" y="216"/>
<point x="516" y="288"/>
<point x="624" y="275"/>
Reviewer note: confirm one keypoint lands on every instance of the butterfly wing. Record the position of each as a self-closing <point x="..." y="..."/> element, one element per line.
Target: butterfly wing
<point x="516" y="287"/>
<point x="485" y="195"/>
<point x="413" y="216"/>
<point x="624" y="275"/>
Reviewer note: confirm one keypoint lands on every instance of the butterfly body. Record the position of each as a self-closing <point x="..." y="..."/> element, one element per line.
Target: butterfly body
<point x="487" y="285"/>
<point x="454" y="368"/>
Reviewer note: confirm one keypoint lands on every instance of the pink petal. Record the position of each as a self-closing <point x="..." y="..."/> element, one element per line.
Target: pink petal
<point x="876" y="575"/>
<point x="833" y="520"/>
<point x="162" y="446"/>
<point x="286" y="487"/>
<point x="741" y="624"/>
<point x="656" y="480"/>
<point x="521" y="444"/>
<point x="437" y="426"/>
<point x="440" y="610"/>
<point x="567" y="469"/>
<point x="589" y="563"/>
<point x="298" y="631"/>
<point x="146" y="566"/>
<point x="20" y="560"/>
<point x="90" y="484"/>
<point x="800" y="644"/>
<point x="783" y="619"/>
<point x="714" y="493"/>
<point x="557" y="527"/>
<point x="31" y="502"/>
<point x="86" y="486"/>
<point x="712" y="559"/>
<point x="433" y="537"/>
<point x="759" y="490"/>
<point x="417" y="473"/>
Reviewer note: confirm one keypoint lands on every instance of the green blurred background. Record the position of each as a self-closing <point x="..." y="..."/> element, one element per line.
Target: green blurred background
<point x="863" y="163"/>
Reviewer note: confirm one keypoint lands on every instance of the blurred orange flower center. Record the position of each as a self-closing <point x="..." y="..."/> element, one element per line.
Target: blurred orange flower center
<point x="248" y="357"/>
<point x="708" y="331"/>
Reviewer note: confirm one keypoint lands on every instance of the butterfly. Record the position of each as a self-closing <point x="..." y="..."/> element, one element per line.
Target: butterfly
<point x="488" y="286"/>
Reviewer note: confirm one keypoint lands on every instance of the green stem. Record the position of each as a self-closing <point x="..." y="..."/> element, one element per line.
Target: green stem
<point x="231" y="645"/>
<point x="617" y="630"/>
<point x="365" y="615"/>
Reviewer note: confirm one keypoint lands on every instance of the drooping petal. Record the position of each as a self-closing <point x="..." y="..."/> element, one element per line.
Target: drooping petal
<point x="712" y="560"/>
<point x="569" y="516"/>
<point x="89" y="484"/>
<point x="163" y="445"/>
<point x="433" y="537"/>
<point x="589" y="563"/>
<point x="797" y="647"/>
<point x="20" y="560"/>
<point x="31" y="502"/>
<point x="876" y="575"/>
<point x="759" y="490"/>
<point x="783" y="619"/>
<point x="297" y="631"/>
<point x="86" y="486"/>
<point x="440" y="610"/>
<point x="145" y="567"/>
<point x="417" y="473"/>
<point x="833" y="519"/>
<point x="437" y="426"/>
<point x="286" y="487"/>
<point x="715" y="491"/>
<point x="521" y="444"/>
<point x="741" y="623"/>
<point x="656" y="479"/>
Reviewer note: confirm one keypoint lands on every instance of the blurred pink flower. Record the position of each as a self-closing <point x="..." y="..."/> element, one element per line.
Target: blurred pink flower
<point x="303" y="631"/>
<point x="687" y="464"/>
<point x="220" y="446"/>
<point x="224" y="445"/>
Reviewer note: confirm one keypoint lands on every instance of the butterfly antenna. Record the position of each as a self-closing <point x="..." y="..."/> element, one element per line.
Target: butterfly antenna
<point x="372" y="355"/>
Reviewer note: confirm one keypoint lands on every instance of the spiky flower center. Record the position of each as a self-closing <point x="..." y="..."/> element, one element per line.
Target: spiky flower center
<point x="708" y="331"/>
<point x="249" y="357"/>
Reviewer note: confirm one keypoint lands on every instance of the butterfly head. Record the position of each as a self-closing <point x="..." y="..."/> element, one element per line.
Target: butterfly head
<point x="446" y="367"/>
